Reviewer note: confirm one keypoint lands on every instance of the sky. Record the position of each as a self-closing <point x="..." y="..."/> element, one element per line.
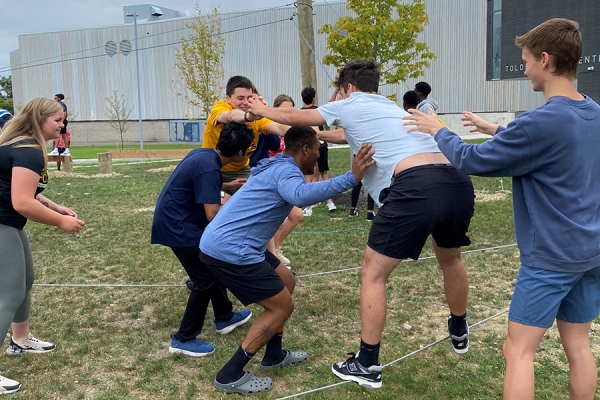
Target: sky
<point x="33" y="16"/>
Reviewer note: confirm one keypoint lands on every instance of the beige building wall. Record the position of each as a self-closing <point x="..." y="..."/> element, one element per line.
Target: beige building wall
<point x="91" y="132"/>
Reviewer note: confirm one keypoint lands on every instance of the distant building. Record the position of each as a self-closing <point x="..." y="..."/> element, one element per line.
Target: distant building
<point x="476" y="68"/>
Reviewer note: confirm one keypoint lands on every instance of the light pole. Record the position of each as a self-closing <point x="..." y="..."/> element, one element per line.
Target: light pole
<point x="137" y="70"/>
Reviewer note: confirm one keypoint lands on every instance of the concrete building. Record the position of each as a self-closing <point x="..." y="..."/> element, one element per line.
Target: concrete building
<point x="264" y="46"/>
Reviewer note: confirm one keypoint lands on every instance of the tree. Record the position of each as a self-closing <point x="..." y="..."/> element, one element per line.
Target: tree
<point x="6" y="87"/>
<point x="385" y="31"/>
<point x="118" y="113"/>
<point x="199" y="62"/>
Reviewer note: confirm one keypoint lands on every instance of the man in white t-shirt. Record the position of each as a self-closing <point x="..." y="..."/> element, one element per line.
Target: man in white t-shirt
<point x="419" y="194"/>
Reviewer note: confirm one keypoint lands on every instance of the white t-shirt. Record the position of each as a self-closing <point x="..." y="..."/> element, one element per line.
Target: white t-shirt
<point x="371" y="118"/>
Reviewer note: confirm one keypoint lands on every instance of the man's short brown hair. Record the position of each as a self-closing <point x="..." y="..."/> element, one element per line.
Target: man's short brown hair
<point x="560" y="38"/>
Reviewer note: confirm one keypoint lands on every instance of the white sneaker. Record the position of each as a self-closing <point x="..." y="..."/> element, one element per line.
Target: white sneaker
<point x="284" y="260"/>
<point x="67" y="153"/>
<point x="8" y="385"/>
<point x="54" y="152"/>
<point x="31" y="345"/>
<point x="307" y="211"/>
<point x="331" y="206"/>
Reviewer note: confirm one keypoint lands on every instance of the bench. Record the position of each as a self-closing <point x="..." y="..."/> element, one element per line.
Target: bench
<point x="67" y="160"/>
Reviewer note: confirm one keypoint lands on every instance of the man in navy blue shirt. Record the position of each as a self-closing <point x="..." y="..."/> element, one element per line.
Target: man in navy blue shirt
<point x="189" y="201"/>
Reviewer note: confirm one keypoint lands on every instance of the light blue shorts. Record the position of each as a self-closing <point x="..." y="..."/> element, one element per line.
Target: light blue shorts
<point x="541" y="296"/>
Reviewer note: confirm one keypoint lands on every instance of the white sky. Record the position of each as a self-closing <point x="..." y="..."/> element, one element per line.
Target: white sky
<point x="31" y="16"/>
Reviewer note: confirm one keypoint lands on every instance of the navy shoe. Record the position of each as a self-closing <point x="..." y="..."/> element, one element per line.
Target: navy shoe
<point x="239" y="318"/>
<point x="193" y="348"/>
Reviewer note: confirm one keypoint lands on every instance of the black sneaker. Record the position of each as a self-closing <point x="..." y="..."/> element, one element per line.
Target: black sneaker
<point x="353" y="213"/>
<point x="460" y="340"/>
<point x="370" y="216"/>
<point x="189" y="285"/>
<point x="353" y="370"/>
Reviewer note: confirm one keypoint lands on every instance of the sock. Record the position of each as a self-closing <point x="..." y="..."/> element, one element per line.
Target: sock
<point x="234" y="369"/>
<point x="458" y="324"/>
<point x="274" y="354"/>
<point x="369" y="354"/>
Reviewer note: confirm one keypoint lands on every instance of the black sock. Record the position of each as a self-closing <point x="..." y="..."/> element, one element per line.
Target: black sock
<point x="369" y="354"/>
<point x="458" y="324"/>
<point x="274" y="354"/>
<point x="234" y="369"/>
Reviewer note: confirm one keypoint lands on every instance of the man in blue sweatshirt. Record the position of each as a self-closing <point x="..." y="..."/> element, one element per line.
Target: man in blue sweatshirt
<point x="552" y="154"/>
<point x="234" y="249"/>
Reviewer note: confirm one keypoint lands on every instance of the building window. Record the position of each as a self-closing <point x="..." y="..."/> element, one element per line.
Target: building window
<point x="496" y="37"/>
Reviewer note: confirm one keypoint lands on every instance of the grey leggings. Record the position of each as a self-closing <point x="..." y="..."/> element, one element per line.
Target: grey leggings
<point x="16" y="277"/>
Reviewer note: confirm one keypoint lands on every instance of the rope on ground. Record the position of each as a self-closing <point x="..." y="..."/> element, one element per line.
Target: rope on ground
<point x="108" y="285"/>
<point x="392" y="362"/>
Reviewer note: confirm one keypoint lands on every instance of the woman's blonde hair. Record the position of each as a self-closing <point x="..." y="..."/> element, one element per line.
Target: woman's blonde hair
<point x="28" y="123"/>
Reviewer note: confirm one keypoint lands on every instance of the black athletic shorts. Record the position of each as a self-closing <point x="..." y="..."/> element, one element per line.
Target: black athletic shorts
<point x="433" y="199"/>
<point x="249" y="283"/>
<point x="323" y="161"/>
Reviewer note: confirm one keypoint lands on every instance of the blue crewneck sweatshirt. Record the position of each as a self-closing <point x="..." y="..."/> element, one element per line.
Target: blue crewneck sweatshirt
<point x="240" y="231"/>
<point x="553" y="155"/>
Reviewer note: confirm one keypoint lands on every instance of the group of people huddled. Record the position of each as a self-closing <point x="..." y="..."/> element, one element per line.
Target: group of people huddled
<point x="222" y="219"/>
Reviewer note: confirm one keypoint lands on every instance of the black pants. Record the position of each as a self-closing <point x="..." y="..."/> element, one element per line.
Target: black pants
<point x="356" y="194"/>
<point x="206" y="288"/>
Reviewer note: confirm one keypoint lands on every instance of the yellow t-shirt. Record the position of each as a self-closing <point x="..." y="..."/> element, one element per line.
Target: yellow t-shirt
<point x="213" y="131"/>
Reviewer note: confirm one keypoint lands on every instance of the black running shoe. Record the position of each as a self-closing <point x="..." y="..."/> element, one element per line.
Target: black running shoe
<point x="460" y="337"/>
<point x="353" y="370"/>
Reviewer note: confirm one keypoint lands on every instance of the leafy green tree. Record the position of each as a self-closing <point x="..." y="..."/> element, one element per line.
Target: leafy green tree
<point x="118" y="113"/>
<point x="199" y="62"/>
<point x="7" y="104"/>
<point x="385" y="31"/>
<point x="6" y="87"/>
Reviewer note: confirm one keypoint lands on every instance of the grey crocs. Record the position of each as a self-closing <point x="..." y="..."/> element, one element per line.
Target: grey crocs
<point x="248" y="385"/>
<point x="292" y="358"/>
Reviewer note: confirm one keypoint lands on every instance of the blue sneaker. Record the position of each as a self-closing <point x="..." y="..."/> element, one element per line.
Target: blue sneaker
<point x="193" y="348"/>
<point x="239" y="318"/>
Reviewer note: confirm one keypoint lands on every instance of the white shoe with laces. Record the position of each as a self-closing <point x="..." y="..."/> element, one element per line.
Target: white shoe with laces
<point x="54" y="152"/>
<point x="67" y="153"/>
<point x="31" y="345"/>
<point x="331" y="206"/>
<point x="8" y="385"/>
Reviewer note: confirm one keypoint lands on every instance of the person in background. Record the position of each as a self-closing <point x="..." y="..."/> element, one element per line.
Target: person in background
<point x="66" y="139"/>
<point x="425" y="104"/>
<point x="23" y="176"/>
<point x="410" y="100"/>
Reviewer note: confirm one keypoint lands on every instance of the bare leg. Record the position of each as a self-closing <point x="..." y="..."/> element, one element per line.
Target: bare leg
<point x="375" y="270"/>
<point x="20" y="330"/>
<point x="456" y="282"/>
<point x="294" y="218"/>
<point x="519" y="349"/>
<point x="583" y="375"/>
<point x="278" y="309"/>
<point x="271" y="246"/>
<point x="288" y="278"/>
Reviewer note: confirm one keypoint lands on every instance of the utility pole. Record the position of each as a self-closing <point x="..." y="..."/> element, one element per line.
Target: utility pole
<point x="307" y="58"/>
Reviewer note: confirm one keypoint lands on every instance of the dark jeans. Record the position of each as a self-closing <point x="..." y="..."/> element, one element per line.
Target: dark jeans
<point x="206" y="288"/>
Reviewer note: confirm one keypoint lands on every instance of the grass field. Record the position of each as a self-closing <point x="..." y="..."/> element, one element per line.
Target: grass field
<point x="110" y="301"/>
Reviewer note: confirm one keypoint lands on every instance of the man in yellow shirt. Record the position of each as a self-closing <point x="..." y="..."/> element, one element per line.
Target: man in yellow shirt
<point x="235" y="108"/>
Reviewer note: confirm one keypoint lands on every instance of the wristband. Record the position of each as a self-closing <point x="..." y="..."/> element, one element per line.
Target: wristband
<point x="246" y="116"/>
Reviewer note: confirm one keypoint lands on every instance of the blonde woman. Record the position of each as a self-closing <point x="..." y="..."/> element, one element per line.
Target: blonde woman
<point x="23" y="176"/>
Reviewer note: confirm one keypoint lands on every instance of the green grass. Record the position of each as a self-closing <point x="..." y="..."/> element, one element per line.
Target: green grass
<point x="112" y="342"/>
